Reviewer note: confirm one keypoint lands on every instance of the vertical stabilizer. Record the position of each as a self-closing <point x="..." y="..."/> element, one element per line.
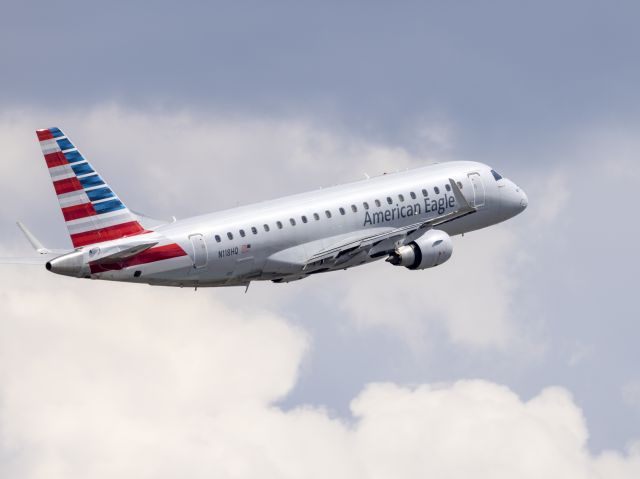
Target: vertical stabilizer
<point x="92" y="211"/>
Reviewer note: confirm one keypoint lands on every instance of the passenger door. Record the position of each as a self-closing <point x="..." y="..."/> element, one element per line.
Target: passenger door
<point x="478" y="189"/>
<point x="200" y="254"/>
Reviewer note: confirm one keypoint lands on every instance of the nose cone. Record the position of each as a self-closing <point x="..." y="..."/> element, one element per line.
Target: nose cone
<point x="514" y="199"/>
<point x="524" y="201"/>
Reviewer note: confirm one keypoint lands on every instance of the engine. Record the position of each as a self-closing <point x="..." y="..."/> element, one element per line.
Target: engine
<point x="429" y="250"/>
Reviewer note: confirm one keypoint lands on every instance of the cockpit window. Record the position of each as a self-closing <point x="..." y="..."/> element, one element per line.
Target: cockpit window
<point x="496" y="175"/>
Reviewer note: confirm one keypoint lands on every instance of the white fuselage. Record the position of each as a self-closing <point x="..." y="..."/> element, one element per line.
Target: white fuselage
<point x="273" y="240"/>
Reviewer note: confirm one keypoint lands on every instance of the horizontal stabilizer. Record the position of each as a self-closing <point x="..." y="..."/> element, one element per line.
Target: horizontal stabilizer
<point x="37" y="245"/>
<point x="29" y="260"/>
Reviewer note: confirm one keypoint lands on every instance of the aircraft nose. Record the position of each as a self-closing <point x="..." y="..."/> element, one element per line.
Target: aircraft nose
<point x="514" y="199"/>
<point x="524" y="200"/>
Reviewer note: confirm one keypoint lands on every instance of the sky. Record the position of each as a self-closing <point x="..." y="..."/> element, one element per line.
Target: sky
<point x="518" y="357"/>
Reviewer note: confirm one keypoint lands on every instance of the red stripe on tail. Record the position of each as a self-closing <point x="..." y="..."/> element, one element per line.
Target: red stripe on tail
<point x="67" y="185"/>
<point x="55" y="159"/>
<point x="78" y="211"/>
<point x="44" y="135"/>
<point x="151" y="255"/>
<point x="109" y="233"/>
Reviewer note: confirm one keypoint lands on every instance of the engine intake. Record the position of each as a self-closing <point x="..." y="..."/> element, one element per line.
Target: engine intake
<point x="431" y="249"/>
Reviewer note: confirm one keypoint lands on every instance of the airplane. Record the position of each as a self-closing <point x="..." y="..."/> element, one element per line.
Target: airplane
<point x="407" y="218"/>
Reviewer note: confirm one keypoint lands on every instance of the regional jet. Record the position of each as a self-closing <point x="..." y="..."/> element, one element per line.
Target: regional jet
<point x="406" y="218"/>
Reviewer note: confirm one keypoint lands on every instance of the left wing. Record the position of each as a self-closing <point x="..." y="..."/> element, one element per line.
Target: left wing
<point x="382" y="243"/>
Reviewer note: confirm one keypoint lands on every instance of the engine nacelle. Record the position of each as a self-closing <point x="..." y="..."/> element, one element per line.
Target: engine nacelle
<point x="431" y="249"/>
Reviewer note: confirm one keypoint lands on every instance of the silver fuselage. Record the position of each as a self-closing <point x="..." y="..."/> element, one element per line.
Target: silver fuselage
<point x="233" y="247"/>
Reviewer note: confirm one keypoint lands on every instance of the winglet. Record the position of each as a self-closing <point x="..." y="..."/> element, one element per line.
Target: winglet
<point x="37" y="245"/>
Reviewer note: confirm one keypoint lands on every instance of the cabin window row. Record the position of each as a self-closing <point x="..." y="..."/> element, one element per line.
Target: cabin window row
<point x="342" y="211"/>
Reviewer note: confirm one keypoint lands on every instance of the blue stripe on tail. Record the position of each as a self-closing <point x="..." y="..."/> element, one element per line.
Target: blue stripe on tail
<point x="82" y="169"/>
<point x="108" y="206"/>
<point x="89" y="181"/>
<point x="65" y="144"/>
<point x="99" y="194"/>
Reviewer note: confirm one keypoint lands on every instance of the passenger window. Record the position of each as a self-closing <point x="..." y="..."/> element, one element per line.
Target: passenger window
<point x="401" y="198"/>
<point x="341" y="210"/>
<point x="242" y="233"/>
<point x="292" y="221"/>
<point x="459" y="184"/>
<point x="218" y="239"/>
<point x="378" y="203"/>
<point x="447" y="187"/>
<point x="279" y="225"/>
<point x="328" y="213"/>
<point x="366" y="205"/>
<point x="254" y="230"/>
<point x="316" y="216"/>
<point x="304" y="219"/>
<point x="389" y="200"/>
<point x="354" y="208"/>
<point x="266" y="227"/>
<point x="229" y="235"/>
<point x="437" y="190"/>
<point x="413" y="195"/>
<point x="425" y="193"/>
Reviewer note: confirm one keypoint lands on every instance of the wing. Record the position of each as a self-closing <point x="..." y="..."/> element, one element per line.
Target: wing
<point x="380" y="244"/>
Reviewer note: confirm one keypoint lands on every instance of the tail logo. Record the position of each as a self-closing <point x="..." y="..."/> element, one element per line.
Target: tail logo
<point x="92" y="211"/>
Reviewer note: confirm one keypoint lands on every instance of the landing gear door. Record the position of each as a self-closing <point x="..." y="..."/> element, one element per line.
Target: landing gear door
<point x="478" y="189"/>
<point x="199" y="248"/>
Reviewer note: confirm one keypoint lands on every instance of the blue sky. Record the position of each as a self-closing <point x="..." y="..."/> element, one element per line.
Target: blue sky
<point x="188" y="107"/>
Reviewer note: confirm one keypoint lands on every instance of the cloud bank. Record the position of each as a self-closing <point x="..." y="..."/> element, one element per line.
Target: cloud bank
<point x="103" y="380"/>
<point x="142" y="382"/>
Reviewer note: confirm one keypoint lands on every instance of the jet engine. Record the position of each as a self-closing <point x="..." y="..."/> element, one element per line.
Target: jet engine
<point x="429" y="250"/>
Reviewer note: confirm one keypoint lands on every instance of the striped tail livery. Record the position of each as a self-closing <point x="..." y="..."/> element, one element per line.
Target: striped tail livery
<point x="92" y="211"/>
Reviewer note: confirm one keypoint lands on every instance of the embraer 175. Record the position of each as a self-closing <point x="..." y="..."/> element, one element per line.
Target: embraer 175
<point x="407" y="218"/>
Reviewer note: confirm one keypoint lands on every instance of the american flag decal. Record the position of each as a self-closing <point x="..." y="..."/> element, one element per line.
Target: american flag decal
<point x="245" y="248"/>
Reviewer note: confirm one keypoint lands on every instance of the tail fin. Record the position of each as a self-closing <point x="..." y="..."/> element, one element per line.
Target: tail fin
<point x="92" y="211"/>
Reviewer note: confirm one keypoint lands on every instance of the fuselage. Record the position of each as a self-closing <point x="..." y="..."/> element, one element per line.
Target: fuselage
<point x="273" y="240"/>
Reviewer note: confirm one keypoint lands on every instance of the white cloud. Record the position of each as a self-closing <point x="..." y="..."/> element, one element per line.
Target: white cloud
<point x="197" y="164"/>
<point x="143" y="382"/>
<point x="631" y="393"/>
<point x="129" y="381"/>
<point x="407" y="302"/>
